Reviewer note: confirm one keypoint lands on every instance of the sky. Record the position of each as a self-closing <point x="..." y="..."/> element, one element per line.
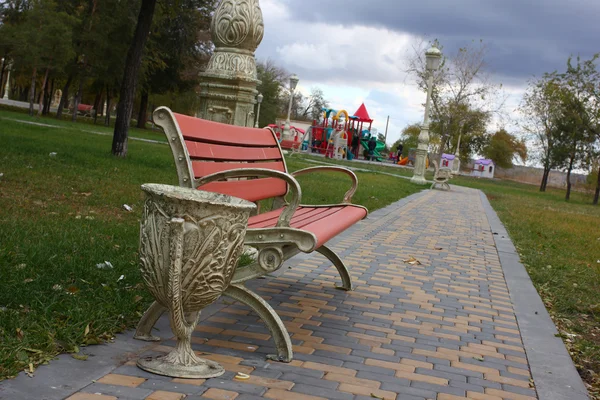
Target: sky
<point x="356" y="50"/>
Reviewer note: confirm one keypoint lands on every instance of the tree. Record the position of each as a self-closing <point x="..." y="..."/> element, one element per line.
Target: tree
<point x="461" y="84"/>
<point x="541" y="105"/>
<point x="272" y="78"/>
<point x="130" y="77"/>
<point x="409" y="139"/>
<point x="42" y="41"/>
<point x="177" y="51"/>
<point x="579" y="115"/>
<point x="503" y="148"/>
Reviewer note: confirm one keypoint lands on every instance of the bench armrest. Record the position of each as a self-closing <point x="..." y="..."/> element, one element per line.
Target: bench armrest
<point x="349" y="193"/>
<point x="293" y="187"/>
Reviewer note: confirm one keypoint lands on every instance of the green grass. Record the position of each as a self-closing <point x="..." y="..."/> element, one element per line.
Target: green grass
<point x="62" y="215"/>
<point x="559" y="244"/>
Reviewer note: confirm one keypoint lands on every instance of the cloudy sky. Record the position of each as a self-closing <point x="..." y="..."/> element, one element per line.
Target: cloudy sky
<point x="356" y="50"/>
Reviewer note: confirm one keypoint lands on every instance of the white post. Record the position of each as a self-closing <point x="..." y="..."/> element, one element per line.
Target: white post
<point x="286" y="134"/>
<point x="259" y="100"/>
<point x="456" y="163"/>
<point x="433" y="57"/>
<point x="7" y="87"/>
<point x="423" y="146"/>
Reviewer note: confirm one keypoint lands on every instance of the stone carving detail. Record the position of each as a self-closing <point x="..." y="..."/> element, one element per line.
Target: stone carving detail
<point x="233" y="62"/>
<point x="238" y="24"/>
<point x="220" y="114"/>
<point x="190" y="242"/>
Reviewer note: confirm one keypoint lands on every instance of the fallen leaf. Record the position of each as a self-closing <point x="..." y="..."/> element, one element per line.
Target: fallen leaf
<point x="412" y="261"/>
<point x="31" y="368"/>
<point x="80" y="357"/>
<point x="33" y="350"/>
<point x="127" y="208"/>
<point x="28" y="280"/>
<point x="479" y="358"/>
<point x="72" y="289"/>
<point x="20" y="334"/>
<point x="242" y="377"/>
<point x="373" y="395"/>
<point x="121" y="278"/>
<point x="57" y="287"/>
<point x="137" y="299"/>
<point x="438" y="248"/>
<point x="86" y="330"/>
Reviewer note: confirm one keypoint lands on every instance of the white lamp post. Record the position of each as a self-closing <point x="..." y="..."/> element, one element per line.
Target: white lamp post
<point x="7" y="87"/>
<point x="286" y="128"/>
<point x="259" y="100"/>
<point x="456" y="163"/>
<point x="433" y="57"/>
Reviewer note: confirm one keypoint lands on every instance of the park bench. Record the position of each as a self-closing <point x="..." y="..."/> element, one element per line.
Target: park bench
<point x="85" y="110"/>
<point x="248" y="163"/>
<point x="441" y="176"/>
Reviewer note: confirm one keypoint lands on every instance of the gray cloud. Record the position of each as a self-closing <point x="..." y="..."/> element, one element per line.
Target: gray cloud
<point x="525" y="38"/>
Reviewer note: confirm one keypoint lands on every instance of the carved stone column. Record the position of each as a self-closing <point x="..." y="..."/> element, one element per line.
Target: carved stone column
<point x="228" y="86"/>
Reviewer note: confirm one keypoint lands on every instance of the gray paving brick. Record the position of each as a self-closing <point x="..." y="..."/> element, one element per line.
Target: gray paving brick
<point x="519" y="390"/>
<point x="458" y="371"/>
<point x="484" y="383"/>
<point x="368" y="368"/>
<point x="467" y="386"/>
<point x="235" y="386"/>
<point x="413" y="391"/>
<point x="320" y="391"/>
<point x="319" y="382"/>
<point x="439" y="388"/>
<point x="156" y="384"/>
<point x="441" y="374"/>
<point x="118" y="391"/>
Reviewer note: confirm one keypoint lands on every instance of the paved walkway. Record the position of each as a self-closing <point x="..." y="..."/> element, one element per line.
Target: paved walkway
<point x="445" y="327"/>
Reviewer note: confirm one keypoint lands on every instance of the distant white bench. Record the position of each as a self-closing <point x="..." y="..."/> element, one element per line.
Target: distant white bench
<point x="441" y="176"/>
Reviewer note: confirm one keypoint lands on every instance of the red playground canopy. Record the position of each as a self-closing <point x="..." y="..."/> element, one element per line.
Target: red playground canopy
<point x="362" y="114"/>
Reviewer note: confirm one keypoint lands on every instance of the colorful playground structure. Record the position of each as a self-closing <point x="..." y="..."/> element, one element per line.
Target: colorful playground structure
<point x="336" y="135"/>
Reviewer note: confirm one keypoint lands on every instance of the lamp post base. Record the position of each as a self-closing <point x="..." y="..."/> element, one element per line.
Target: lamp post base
<point x="419" y="180"/>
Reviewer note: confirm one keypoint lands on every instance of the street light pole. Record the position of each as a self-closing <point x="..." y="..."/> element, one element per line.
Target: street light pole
<point x="259" y="100"/>
<point x="433" y="58"/>
<point x="7" y="87"/>
<point x="456" y="163"/>
<point x="286" y="128"/>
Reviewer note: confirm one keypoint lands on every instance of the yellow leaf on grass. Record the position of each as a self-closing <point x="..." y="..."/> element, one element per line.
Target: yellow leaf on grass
<point x="87" y="330"/>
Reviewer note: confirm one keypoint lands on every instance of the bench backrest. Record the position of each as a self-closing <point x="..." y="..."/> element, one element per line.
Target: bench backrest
<point x="84" y="107"/>
<point x="202" y="148"/>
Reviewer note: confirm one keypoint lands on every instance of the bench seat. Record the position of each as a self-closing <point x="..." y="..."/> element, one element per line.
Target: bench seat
<point x="324" y="222"/>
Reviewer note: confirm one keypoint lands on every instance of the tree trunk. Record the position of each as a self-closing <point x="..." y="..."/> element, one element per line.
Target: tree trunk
<point x="97" y="105"/>
<point x="571" y="161"/>
<point x="77" y="98"/>
<point x="32" y="92"/>
<point x="545" y="176"/>
<point x="43" y="92"/>
<point x="108" y="105"/>
<point x="143" y="114"/>
<point x="597" y="193"/>
<point x="64" y="100"/>
<point x="49" y="97"/>
<point x="130" y="77"/>
<point x="2" y="69"/>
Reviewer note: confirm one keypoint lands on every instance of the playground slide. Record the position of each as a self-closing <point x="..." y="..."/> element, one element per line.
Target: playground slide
<point x="403" y="161"/>
<point x="377" y="153"/>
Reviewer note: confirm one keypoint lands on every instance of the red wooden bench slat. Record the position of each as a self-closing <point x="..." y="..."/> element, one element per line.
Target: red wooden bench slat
<point x="325" y="222"/>
<point x="84" y="107"/>
<point x="334" y="224"/>
<point x="307" y="219"/>
<point x="289" y="144"/>
<point x="212" y="151"/>
<point x="203" y="130"/>
<point x="251" y="190"/>
<point x="300" y="214"/>
<point x="270" y="218"/>
<point x="203" y="168"/>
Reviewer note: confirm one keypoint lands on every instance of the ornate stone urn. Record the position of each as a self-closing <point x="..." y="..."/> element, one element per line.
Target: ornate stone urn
<point x="228" y="86"/>
<point x="190" y="242"/>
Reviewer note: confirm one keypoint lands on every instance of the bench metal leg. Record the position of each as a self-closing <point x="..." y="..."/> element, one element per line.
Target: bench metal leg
<point x="149" y="319"/>
<point x="339" y="264"/>
<point x="280" y="334"/>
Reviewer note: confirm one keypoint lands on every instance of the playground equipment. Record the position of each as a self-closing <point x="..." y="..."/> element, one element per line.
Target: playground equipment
<point x="410" y="160"/>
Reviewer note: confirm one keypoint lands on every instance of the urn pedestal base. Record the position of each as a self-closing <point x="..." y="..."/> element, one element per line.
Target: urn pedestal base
<point x="163" y="365"/>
